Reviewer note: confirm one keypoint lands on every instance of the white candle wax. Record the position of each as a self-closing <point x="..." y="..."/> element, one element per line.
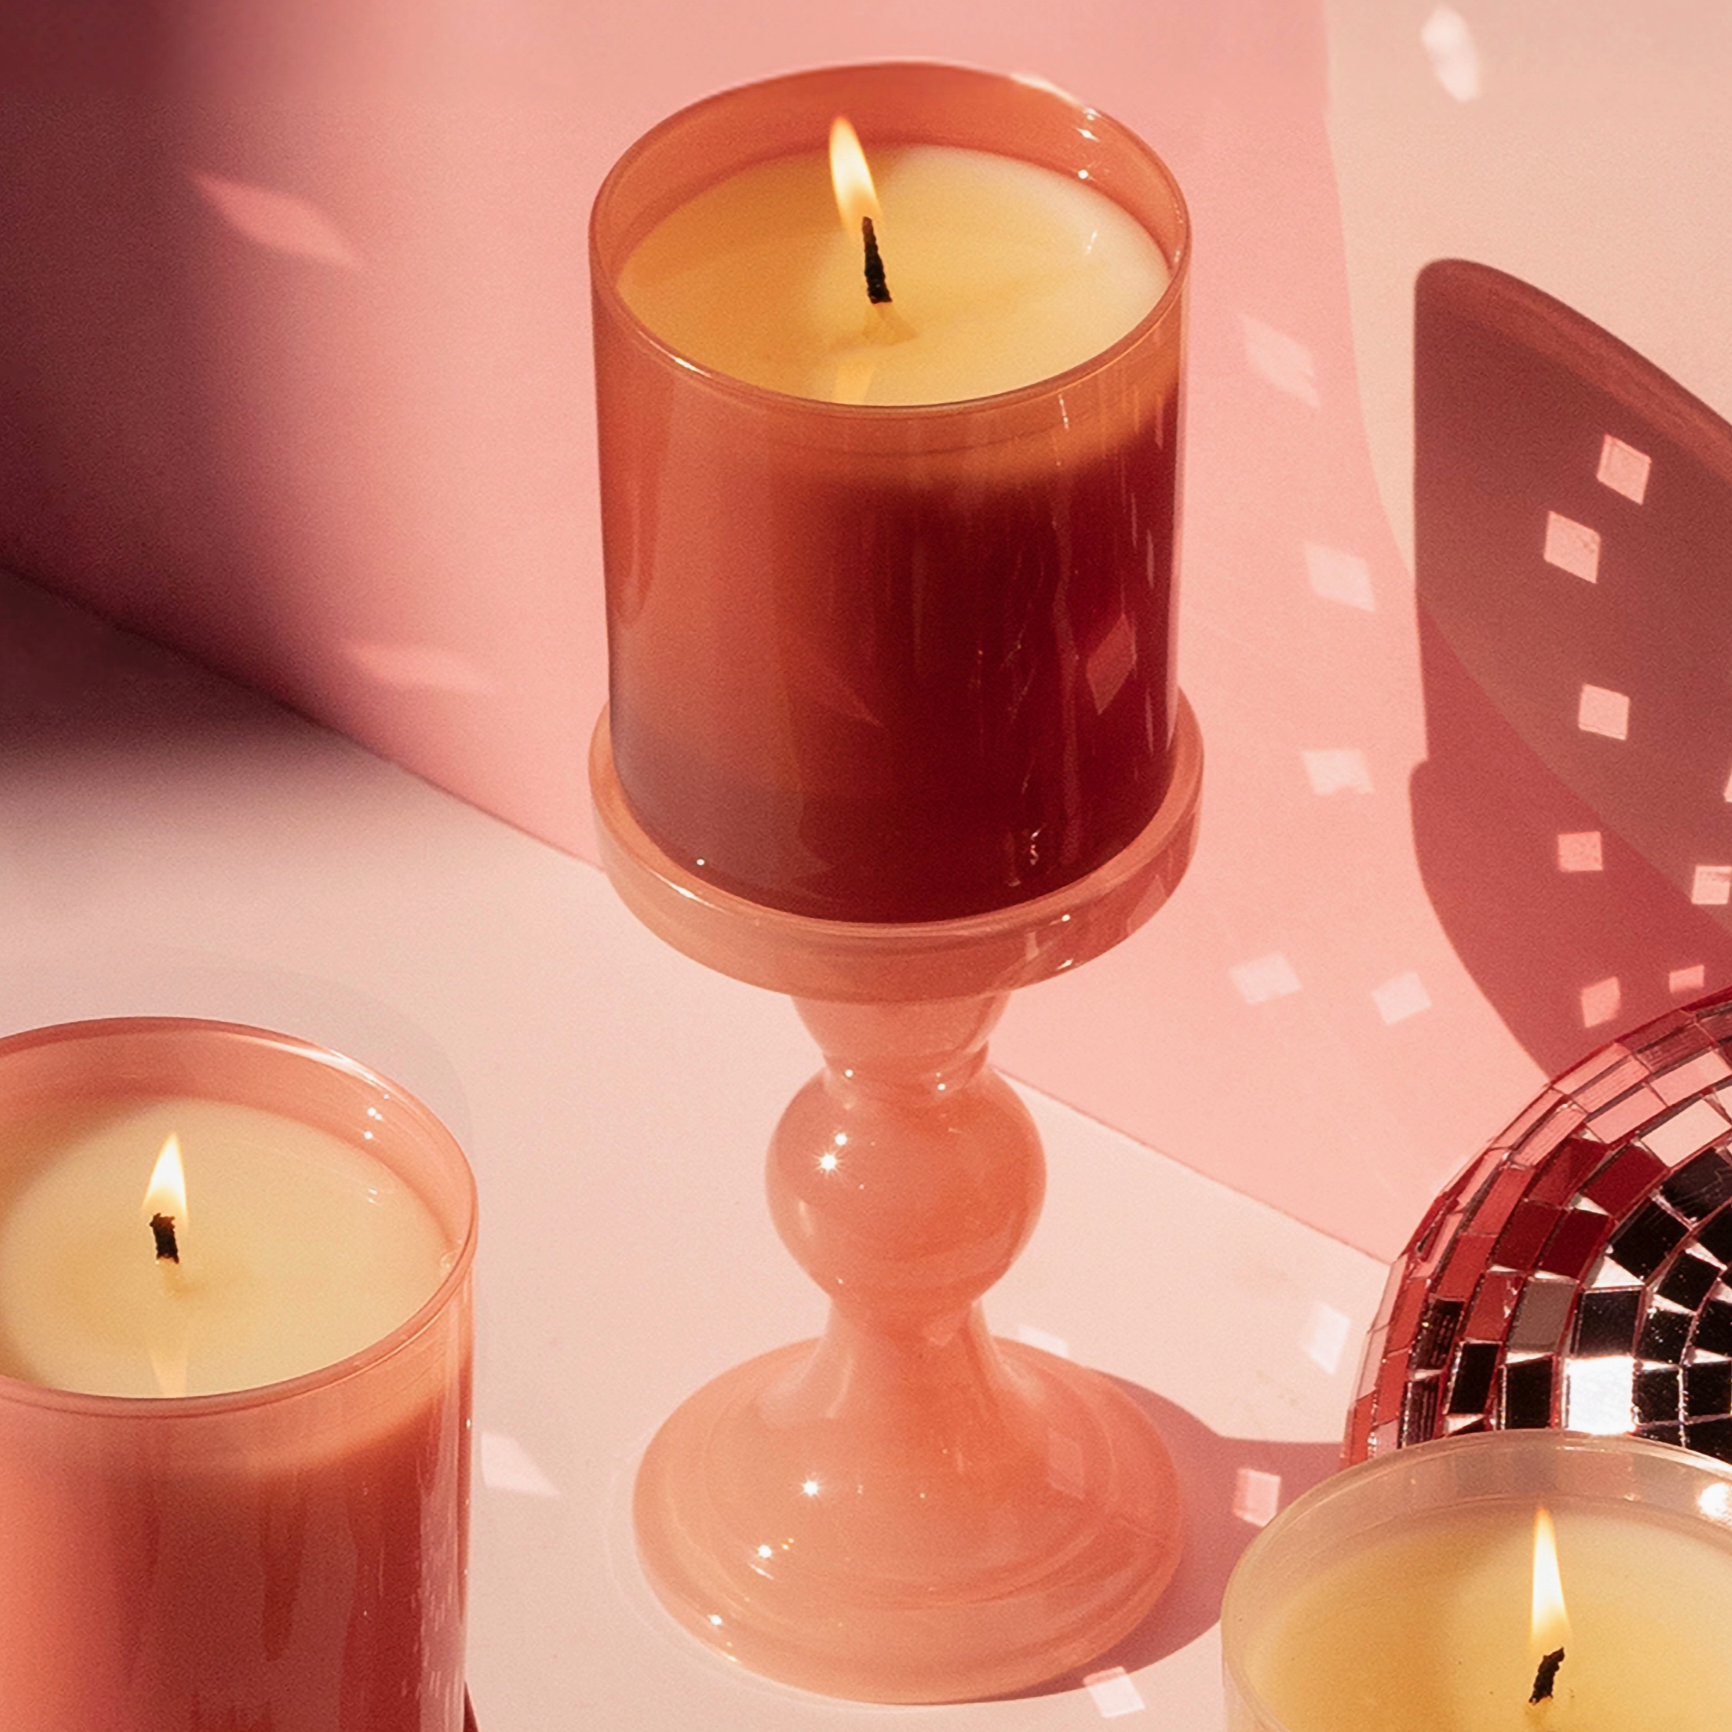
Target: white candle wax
<point x="1002" y="273"/>
<point x="298" y="1249"/>
<point x="1424" y="1627"/>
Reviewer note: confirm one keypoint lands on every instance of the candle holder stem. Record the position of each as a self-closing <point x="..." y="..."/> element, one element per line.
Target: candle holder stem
<point x="906" y="1510"/>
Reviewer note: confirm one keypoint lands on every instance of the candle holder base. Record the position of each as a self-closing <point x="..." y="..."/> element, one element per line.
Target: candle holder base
<point x="900" y="1568"/>
<point x="907" y="1510"/>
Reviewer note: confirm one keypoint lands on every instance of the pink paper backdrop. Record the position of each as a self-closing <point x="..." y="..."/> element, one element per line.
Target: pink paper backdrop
<point x="297" y="375"/>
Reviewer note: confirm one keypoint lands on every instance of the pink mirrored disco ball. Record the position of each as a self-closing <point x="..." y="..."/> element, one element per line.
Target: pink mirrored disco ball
<point x="1578" y="1273"/>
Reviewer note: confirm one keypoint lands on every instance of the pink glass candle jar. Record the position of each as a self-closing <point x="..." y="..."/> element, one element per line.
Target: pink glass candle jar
<point x="895" y="660"/>
<point x="284" y="1544"/>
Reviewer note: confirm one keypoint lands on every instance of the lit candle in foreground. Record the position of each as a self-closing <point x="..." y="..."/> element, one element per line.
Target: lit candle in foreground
<point x="1418" y="1593"/>
<point x="891" y="584"/>
<point x="306" y="1249"/>
<point x="234" y="1387"/>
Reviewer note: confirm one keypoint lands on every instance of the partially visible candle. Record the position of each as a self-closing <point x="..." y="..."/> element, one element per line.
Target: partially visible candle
<point x="285" y="1545"/>
<point x="908" y="658"/>
<point x="307" y="1249"/>
<point x="1399" y="1595"/>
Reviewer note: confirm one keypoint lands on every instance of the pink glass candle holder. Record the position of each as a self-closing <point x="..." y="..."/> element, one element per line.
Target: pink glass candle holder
<point x="889" y="662"/>
<point x="894" y="729"/>
<point x="290" y="1554"/>
<point x="907" y="1510"/>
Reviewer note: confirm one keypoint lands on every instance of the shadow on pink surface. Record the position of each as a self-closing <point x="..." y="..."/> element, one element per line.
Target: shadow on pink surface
<point x="278" y="394"/>
<point x="1572" y="509"/>
<point x="1218" y="1476"/>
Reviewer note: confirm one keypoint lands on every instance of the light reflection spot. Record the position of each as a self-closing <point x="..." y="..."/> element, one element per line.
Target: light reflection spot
<point x="1600" y="711"/>
<point x="1339" y="576"/>
<point x="1715" y="1503"/>
<point x="1691" y="979"/>
<point x="1282" y="360"/>
<point x="1572" y="547"/>
<point x="1600" y="1001"/>
<point x="764" y="1551"/>
<point x="1326" y="1339"/>
<point x="280" y="221"/>
<point x="827" y="1162"/>
<point x="1598" y="1395"/>
<point x="1264" y="978"/>
<point x="1711" y="886"/>
<point x="1256" y="1496"/>
<point x="1044" y="1339"/>
<point x="1036" y="82"/>
<point x="1111" y="663"/>
<point x="507" y="1466"/>
<point x="1114" y="1692"/>
<point x="1400" y="998"/>
<point x="1338" y="770"/>
<point x="1454" y="57"/>
<point x="1687" y="1132"/>
<point x="809" y="1487"/>
<point x="1580" y="851"/>
<point x="1623" y="468"/>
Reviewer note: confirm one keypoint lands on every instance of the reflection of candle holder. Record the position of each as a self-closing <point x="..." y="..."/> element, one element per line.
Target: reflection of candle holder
<point x="907" y="1509"/>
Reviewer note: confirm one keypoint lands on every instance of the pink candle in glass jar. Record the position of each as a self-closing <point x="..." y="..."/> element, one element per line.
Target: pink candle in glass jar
<point x="890" y="584"/>
<point x="234" y="1418"/>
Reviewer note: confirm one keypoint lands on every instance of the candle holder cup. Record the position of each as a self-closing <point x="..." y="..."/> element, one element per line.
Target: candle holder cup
<point x="890" y="662"/>
<point x="907" y="1509"/>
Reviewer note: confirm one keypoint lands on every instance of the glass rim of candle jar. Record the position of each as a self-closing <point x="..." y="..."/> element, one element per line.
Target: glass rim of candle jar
<point x="459" y="1206"/>
<point x="1519" y="1468"/>
<point x="808" y="102"/>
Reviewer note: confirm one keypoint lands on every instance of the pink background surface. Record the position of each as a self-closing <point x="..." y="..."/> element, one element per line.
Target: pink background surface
<point x="297" y="374"/>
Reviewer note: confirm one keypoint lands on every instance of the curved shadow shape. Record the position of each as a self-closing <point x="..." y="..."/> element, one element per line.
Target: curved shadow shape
<point x="1208" y="1467"/>
<point x="1573" y="554"/>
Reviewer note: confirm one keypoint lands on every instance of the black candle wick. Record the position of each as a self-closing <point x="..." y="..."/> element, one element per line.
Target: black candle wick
<point x="1547" y="1676"/>
<point x="877" y="288"/>
<point x="167" y="1248"/>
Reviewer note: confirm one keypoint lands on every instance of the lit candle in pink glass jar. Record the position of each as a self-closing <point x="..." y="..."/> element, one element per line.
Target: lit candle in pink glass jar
<point x="234" y="1418"/>
<point x="891" y="586"/>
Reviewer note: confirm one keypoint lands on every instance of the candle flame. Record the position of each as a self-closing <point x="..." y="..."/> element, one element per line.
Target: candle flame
<point x="856" y="197"/>
<point x="1551" y="1624"/>
<point x="166" y="1193"/>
